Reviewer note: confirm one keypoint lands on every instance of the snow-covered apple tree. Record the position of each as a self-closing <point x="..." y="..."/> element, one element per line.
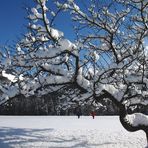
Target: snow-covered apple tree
<point x="108" y="59"/>
<point x="113" y="34"/>
<point x="44" y="61"/>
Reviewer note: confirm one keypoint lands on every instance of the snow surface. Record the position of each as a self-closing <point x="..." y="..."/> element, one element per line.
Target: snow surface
<point x="67" y="132"/>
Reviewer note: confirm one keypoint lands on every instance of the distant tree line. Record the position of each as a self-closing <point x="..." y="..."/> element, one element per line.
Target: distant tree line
<point x="48" y="105"/>
<point x="51" y="104"/>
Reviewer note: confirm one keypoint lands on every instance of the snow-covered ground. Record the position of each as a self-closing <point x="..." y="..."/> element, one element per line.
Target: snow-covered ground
<point x="67" y="132"/>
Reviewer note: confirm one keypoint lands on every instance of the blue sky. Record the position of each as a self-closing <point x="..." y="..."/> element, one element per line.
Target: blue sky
<point x="12" y="16"/>
<point x="12" y="19"/>
<point x="12" y="24"/>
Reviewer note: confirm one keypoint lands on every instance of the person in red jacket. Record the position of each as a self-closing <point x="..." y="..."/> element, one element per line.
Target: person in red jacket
<point x="93" y="114"/>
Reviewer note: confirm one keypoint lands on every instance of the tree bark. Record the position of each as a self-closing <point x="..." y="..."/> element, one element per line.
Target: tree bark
<point x="147" y="137"/>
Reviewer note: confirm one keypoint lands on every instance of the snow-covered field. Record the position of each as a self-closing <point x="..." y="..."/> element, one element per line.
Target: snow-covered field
<point x="67" y="132"/>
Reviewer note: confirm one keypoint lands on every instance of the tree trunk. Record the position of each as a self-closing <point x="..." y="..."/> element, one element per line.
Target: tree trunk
<point x="147" y="137"/>
<point x="128" y="126"/>
<point x="122" y="115"/>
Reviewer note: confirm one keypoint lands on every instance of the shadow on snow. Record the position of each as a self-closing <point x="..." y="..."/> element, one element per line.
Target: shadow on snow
<point x="13" y="137"/>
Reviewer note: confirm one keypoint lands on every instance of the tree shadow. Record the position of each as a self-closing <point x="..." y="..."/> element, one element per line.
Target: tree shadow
<point x="77" y="143"/>
<point x="9" y="137"/>
<point x="18" y="137"/>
